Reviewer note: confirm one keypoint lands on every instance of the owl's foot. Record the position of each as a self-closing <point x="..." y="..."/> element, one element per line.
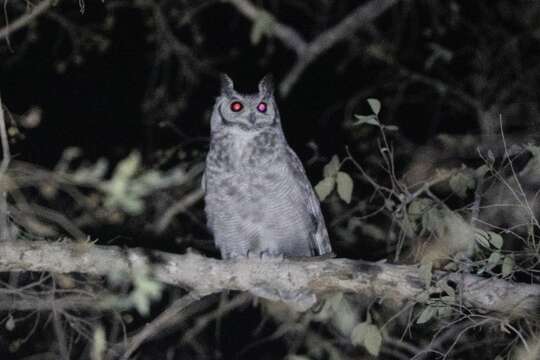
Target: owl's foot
<point x="236" y="255"/>
<point x="251" y="254"/>
<point x="267" y="255"/>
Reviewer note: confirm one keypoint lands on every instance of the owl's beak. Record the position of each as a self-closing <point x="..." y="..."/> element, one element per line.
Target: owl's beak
<point x="252" y="118"/>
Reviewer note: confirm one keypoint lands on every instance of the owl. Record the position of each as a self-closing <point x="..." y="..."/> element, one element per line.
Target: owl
<point x="258" y="200"/>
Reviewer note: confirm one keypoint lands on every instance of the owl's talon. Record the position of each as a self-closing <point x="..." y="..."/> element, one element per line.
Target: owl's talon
<point x="236" y="255"/>
<point x="269" y="256"/>
<point x="252" y="254"/>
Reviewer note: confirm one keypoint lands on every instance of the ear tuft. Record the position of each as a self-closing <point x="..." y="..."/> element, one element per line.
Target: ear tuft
<point x="266" y="85"/>
<point x="227" y="85"/>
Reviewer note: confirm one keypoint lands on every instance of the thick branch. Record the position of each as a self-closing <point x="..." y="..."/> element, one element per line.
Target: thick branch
<point x="396" y="283"/>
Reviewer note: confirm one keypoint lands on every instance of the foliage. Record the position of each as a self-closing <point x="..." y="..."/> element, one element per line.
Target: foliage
<point x="436" y="163"/>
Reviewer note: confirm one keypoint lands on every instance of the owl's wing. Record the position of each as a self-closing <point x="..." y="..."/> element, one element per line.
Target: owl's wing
<point x="320" y="240"/>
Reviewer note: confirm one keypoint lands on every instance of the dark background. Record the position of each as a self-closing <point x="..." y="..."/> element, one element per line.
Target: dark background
<point x="438" y="67"/>
<point x="96" y="105"/>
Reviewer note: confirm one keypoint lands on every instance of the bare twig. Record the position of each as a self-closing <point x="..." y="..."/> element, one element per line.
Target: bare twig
<point x="172" y="43"/>
<point x="308" y="52"/>
<point x="4" y="214"/>
<point x="26" y="19"/>
<point x="171" y="316"/>
<point x="394" y="283"/>
<point x="178" y="207"/>
<point x="361" y="16"/>
<point x="6" y="155"/>
<point x="41" y="303"/>
<point x="60" y="335"/>
<point x="206" y="319"/>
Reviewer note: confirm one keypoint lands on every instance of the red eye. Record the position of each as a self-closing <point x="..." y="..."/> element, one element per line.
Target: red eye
<point x="237" y="106"/>
<point x="262" y="107"/>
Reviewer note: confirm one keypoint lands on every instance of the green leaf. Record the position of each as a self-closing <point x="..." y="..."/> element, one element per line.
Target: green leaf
<point x="128" y="166"/>
<point x="443" y="285"/>
<point x="344" y="186"/>
<point x="325" y="187"/>
<point x="10" y="323"/>
<point x="261" y="26"/>
<point x="495" y="239"/>
<point x="373" y="340"/>
<point x="426" y="315"/>
<point x="366" y="119"/>
<point x="358" y="333"/>
<point x="141" y="302"/>
<point x="494" y="259"/>
<point x="507" y="267"/>
<point x="444" y="311"/>
<point x="375" y="105"/>
<point x="482" y="237"/>
<point x="435" y="220"/>
<point x="145" y="290"/>
<point x="534" y="150"/>
<point x="451" y="266"/>
<point x="344" y="318"/>
<point x="332" y="167"/>
<point x="426" y="273"/>
<point x="418" y="207"/>
<point x="460" y="183"/>
<point x="481" y="171"/>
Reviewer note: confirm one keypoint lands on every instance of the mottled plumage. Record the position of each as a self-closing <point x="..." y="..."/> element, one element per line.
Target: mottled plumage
<point x="257" y="196"/>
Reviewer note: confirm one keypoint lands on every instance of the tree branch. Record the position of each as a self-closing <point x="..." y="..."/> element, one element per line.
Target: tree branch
<point x="6" y="155"/>
<point x="361" y="16"/>
<point x="25" y="19"/>
<point x="286" y="34"/>
<point x="308" y="52"/>
<point x="40" y="303"/>
<point x="394" y="283"/>
<point x="181" y="206"/>
<point x="171" y="316"/>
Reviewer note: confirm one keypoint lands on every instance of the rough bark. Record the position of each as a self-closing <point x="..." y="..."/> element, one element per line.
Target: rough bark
<point x="393" y="283"/>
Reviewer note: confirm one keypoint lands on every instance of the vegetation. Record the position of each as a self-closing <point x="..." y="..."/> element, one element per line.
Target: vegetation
<point x="416" y="121"/>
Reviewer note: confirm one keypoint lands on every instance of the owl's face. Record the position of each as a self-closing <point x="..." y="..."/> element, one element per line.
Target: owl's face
<point x="246" y="112"/>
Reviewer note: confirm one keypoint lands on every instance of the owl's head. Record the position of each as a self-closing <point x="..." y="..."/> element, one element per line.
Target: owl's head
<point x="247" y="112"/>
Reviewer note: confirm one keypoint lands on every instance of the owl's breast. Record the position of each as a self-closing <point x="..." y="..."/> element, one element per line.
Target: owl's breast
<point x="266" y="187"/>
<point x="241" y="152"/>
<point x="261" y="150"/>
